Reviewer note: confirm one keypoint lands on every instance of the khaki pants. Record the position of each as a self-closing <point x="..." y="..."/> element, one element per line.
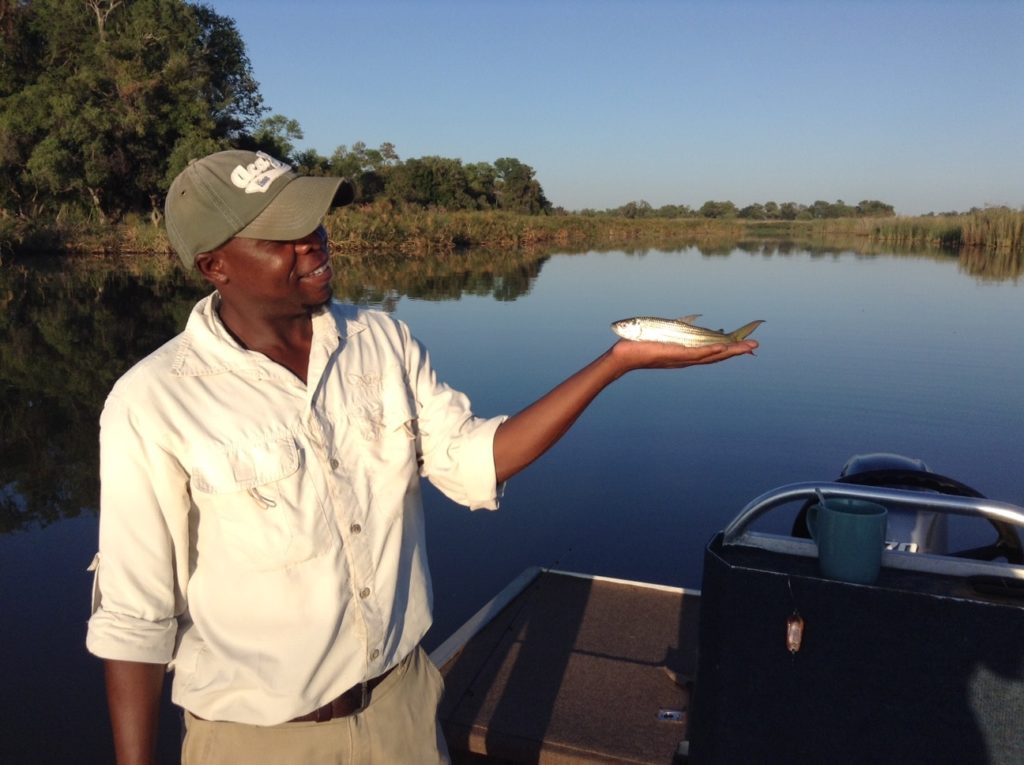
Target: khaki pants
<point x="399" y="727"/>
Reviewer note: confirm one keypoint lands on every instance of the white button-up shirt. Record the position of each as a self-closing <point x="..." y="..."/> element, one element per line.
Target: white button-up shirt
<point x="265" y="536"/>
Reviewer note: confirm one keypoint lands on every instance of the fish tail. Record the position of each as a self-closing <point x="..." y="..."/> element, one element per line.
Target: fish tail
<point x="745" y="330"/>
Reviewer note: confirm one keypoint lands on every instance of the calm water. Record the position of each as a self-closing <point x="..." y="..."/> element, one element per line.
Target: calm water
<point x="910" y="354"/>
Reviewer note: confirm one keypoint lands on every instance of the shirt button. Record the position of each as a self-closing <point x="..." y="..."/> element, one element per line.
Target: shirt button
<point x="375" y="654"/>
<point x="334" y="464"/>
<point x="355" y="528"/>
<point x="364" y="593"/>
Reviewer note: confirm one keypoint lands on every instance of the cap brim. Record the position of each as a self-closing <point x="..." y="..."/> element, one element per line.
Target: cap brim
<point x="345" y="194"/>
<point x="299" y="208"/>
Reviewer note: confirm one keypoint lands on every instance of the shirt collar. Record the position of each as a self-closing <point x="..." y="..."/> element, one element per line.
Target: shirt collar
<point x="208" y="348"/>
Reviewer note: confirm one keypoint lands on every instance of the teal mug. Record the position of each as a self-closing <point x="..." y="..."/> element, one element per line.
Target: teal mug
<point x="850" y="534"/>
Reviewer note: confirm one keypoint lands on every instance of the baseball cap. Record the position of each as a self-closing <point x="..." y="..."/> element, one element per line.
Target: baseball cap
<point x="245" y="193"/>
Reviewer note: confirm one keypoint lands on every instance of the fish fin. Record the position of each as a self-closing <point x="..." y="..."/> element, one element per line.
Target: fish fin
<point x="745" y="330"/>
<point x="688" y="319"/>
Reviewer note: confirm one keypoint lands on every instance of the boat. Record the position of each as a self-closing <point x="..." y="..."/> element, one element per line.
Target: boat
<point x="925" y="665"/>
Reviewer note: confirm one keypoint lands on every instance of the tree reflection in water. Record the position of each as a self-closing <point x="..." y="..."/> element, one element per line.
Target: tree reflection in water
<point x="70" y="327"/>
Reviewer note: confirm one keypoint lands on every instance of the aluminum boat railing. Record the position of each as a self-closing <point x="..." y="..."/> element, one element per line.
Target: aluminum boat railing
<point x="739" y="533"/>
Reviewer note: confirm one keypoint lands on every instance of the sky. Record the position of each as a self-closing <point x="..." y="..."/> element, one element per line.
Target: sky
<point x="917" y="104"/>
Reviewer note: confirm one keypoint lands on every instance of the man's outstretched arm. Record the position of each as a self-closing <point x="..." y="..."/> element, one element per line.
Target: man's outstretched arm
<point x="526" y="436"/>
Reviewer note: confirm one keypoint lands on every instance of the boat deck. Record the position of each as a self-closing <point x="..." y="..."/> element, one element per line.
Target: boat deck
<point x="567" y="669"/>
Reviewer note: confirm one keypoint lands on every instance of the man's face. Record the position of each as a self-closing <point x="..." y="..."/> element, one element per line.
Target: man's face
<point x="275" y="275"/>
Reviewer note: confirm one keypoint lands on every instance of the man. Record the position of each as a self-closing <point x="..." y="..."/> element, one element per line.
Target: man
<point x="261" y="528"/>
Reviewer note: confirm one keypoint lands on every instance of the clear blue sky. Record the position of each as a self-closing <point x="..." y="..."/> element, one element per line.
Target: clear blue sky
<point x="919" y="104"/>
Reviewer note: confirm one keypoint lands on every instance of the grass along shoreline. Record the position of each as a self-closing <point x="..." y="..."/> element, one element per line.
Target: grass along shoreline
<point x="416" y="232"/>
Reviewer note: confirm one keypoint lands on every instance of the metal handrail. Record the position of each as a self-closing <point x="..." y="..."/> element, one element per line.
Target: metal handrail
<point x="969" y="506"/>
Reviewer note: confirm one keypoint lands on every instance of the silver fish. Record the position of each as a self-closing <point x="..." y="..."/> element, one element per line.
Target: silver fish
<point x="681" y="331"/>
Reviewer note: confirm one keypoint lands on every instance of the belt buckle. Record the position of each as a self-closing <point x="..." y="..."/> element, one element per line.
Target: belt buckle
<point x="347" y="703"/>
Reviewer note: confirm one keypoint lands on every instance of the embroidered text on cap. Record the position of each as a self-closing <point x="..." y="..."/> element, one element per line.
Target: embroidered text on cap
<point x="257" y="176"/>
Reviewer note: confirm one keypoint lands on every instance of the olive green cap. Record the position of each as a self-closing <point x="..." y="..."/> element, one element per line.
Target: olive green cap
<point x="245" y="193"/>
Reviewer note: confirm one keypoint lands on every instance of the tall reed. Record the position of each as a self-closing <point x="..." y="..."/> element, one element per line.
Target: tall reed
<point x="996" y="229"/>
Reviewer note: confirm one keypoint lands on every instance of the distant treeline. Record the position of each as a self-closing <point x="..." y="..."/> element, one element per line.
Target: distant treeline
<point x="819" y="210"/>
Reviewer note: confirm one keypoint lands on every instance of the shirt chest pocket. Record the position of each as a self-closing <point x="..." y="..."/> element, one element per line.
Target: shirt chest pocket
<point x="382" y="410"/>
<point x="257" y="506"/>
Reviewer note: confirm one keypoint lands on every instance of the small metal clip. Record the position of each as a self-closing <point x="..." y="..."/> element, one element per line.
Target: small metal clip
<point x="262" y="501"/>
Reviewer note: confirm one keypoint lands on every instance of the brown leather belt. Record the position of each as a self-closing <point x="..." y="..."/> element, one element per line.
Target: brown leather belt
<point x="351" y="701"/>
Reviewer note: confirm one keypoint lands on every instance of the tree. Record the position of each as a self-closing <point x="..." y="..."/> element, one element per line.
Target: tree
<point x="311" y="162"/>
<point x="274" y="135"/>
<point x="228" y="89"/>
<point x="712" y="209"/>
<point x="367" y="169"/>
<point x="19" y="46"/>
<point x="640" y="209"/>
<point x="431" y="181"/>
<point x="111" y="99"/>
<point x="674" y="211"/>
<point x="517" y="189"/>
<point x="872" y="208"/>
<point x="483" y="181"/>
<point x="789" y="210"/>
<point x="102" y="10"/>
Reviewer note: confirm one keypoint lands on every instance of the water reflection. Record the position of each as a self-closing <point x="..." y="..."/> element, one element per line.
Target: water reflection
<point x="69" y="328"/>
<point x="500" y="275"/>
<point x="863" y="351"/>
<point x="65" y="336"/>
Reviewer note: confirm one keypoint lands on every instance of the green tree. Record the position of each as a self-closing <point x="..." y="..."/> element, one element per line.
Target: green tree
<point x="517" y="189"/>
<point x="674" y="211"/>
<point x="228" y="89"/>
<point x="872" y="208"/>
<point x="368" y="169"/>
<point x="483" y="181"/>
<point x="312" y="162"/>
<point x="821" y="209"/>
<point x="432" y="181"/>
<point x="636" y="209"/>
<point x="19" y="46"/>
<point x="275" y="134"/>
<point x="110" y="100"/>
<point x="789" y="210"/>
<point x="712" y="209"/>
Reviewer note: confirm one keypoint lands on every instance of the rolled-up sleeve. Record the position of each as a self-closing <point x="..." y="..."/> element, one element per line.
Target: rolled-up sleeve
<point x="143" y="544"/>
<point x="457" y="448"/>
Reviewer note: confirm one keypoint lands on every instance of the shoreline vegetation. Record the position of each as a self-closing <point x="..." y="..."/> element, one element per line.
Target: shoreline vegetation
<point x="367" y="230"/>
